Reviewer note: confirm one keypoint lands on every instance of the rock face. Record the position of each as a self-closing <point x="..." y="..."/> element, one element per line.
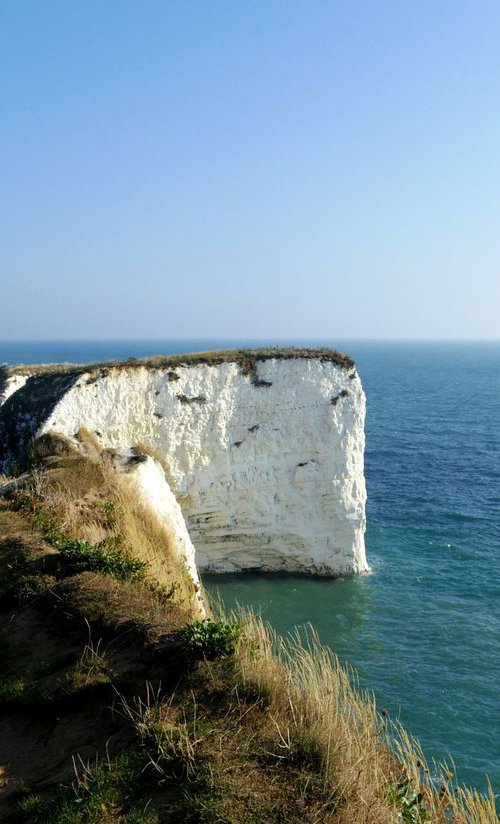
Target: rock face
<point x="263" y="452"/>
<point x="11" y="385"/>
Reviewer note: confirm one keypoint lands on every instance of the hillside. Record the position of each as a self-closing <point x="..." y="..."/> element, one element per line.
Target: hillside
<point x="119" y="704"/>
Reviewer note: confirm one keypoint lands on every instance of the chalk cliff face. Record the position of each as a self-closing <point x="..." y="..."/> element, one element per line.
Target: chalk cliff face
<point x="146" y="480"/>
<point x="11" y="385"/>
<point x="264" y="456"/>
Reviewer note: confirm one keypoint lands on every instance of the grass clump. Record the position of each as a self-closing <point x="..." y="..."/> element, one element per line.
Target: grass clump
<point x="100" y="792"/>
<point x="11" y="689"/>
<point x="91" y="670"/>
<point x="167" y="737"/>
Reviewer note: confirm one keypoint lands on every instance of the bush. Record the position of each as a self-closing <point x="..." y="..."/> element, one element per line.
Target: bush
<point x="210" y="639"/>
<point x="107" y="556"/>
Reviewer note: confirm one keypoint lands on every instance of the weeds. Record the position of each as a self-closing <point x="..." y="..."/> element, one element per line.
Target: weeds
<point x="408" y="803"/>
<point x="168" y="741"/>
<point x="91" y="670"/>
<point x="108" y="511"/>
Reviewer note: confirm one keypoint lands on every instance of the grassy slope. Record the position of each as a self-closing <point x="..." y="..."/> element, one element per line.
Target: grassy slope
<point x="112" y="711"/>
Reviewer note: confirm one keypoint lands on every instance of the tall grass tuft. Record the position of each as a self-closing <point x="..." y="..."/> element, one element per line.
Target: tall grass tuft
<point x="372" y="770"/>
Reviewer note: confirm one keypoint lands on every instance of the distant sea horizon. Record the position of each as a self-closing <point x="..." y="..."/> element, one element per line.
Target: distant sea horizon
<point x="423" y="630"/>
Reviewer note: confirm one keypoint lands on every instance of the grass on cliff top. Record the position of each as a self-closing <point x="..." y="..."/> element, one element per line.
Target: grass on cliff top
<point x="87" y="509"/>
<point x="243" y="357"/>
<point x="169" y="719"/>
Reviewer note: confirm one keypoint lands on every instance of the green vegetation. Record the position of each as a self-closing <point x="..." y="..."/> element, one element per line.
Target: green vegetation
<point x="107" y="557"/>
<point x="100" y="790"/>
<point x="210" y="639"/>
<point x="19" y="581"/>
<point x="408" y="803"/>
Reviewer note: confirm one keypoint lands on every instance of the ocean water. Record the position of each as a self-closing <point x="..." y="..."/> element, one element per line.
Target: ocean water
<point x="423" y="629"/>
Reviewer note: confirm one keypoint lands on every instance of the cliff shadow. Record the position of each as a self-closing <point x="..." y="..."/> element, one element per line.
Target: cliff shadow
<point x="24" y="412"/>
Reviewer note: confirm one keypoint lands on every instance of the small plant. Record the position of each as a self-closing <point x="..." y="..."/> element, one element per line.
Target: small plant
<point x="11" y="690"/>
<point x="165" y="593"/>
<point x="210" y="639"/>
<point x="108" y="557"/>
<point x="107" y="509"/>
<point x="408" y="802"/>
<point x="91" y="670"/>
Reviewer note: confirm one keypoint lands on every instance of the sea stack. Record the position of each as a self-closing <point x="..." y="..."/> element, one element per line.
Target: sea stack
<point x="263" y="449"/>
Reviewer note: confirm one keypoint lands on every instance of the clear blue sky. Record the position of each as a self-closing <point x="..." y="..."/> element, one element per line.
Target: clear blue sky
<point x="249" y="168"/>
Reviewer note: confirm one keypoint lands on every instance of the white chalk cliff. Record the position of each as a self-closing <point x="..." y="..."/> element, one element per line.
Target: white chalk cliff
<point x="263" y="455"/>
<point x="11" y="385"/>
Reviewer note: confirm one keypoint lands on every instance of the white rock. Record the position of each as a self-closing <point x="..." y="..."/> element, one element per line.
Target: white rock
<point x="11" y="385"/>
<point x="268" y="476"/>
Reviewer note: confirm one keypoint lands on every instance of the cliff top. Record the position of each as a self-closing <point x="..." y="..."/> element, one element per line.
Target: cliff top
<point x="244" y="357"/>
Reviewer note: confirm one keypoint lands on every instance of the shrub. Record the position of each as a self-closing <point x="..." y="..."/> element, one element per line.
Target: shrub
<point x="210" y="639"/>
<point x="107" y="556"/>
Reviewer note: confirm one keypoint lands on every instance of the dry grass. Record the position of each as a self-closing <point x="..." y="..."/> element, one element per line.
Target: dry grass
<point x="444" y="801"/>
<point x="209" y="358"/>
<point x="319" y="712"/>
<point x="167" y="737"/>
<point x="115" y="605"/>
<point x="152" y="540"/>
<point x="90" y="501"/>
<point x="321" y="717"/>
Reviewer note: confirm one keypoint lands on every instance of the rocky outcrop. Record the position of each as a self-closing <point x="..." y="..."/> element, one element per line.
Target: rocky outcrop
<point x="263" y="451"/>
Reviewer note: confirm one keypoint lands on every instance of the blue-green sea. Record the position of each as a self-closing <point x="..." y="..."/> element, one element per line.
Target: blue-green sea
<point x="423" y="629"/>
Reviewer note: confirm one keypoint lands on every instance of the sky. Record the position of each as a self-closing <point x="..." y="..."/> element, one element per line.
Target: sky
<point x="260" y="169"/>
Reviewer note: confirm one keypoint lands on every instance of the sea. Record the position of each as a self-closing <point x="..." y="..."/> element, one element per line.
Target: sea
<point x="423" y="628"/>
